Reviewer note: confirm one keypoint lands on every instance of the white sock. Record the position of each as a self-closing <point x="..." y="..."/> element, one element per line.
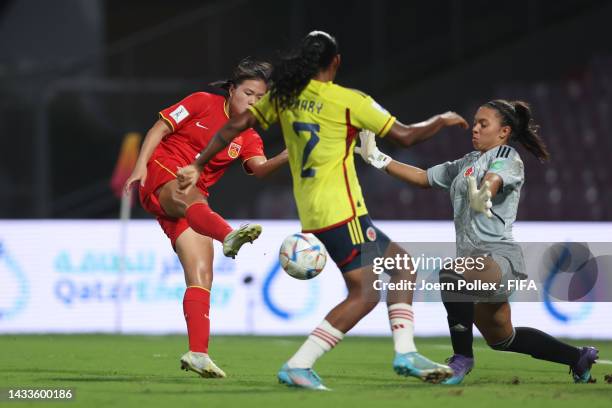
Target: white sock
<point x="401" y="320"/>
<point x="322" y="339"/>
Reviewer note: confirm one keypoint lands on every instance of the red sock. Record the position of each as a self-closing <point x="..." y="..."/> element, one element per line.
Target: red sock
<point x="205" y="221"/>
<point x="196" y="305"/>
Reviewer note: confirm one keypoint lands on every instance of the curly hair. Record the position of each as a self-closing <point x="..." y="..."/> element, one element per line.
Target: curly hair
<point x="295" y="68"/>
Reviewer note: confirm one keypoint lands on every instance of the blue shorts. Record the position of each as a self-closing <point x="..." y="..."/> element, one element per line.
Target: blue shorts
<point x="345" y="243"/>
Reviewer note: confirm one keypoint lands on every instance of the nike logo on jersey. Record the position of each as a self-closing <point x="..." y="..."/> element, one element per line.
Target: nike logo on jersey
<point x="198" y="124"/>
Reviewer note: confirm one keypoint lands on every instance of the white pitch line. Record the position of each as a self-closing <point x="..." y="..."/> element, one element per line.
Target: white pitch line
<point x="604" y="362"/>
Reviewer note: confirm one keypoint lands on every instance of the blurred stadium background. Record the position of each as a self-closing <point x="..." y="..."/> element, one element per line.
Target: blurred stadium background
<point x="77" y="76"/>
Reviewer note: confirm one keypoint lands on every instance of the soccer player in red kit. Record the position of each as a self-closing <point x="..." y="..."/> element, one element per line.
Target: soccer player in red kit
<point x="174" y="141"/>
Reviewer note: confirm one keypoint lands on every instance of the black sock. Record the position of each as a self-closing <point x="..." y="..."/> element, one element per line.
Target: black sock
<point x="460" y="322"/>
<point x="460" y="314"/>
<point x="542" y="346"/>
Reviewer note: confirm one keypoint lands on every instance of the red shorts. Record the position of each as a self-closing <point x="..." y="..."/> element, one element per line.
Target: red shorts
<point x="161" y="170"/>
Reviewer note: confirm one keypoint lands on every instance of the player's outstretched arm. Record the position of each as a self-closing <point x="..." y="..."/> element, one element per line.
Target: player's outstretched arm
<point x="408" y="135"/>
<point x="152" y="139"/>
<point x="409" y="174"/>
<point x="370" y="154"/>
<point x="188" y="176"/>
<point x="262" y="167"/>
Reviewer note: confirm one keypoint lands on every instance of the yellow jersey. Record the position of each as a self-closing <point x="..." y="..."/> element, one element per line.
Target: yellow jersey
<point x="320" y="129"/>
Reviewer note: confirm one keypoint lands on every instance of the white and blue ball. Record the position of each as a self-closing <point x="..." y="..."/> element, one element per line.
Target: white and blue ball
<point x="302" y="256"/>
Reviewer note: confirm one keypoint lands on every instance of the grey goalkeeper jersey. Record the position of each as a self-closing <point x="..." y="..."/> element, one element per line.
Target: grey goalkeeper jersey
<point x="475" y="233"/>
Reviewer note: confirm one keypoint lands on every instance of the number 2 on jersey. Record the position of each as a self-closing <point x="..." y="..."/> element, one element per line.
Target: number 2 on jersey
<point x="313" y="128"/>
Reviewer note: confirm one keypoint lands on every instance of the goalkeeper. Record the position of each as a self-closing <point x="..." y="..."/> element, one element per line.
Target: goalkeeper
<point x="483" y="225"/>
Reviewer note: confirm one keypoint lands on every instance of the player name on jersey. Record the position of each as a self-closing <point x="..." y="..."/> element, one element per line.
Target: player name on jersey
<point x="306" y="105"/>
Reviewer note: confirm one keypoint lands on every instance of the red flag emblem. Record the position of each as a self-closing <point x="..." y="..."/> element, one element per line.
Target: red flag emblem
<point x="126" y="162"/>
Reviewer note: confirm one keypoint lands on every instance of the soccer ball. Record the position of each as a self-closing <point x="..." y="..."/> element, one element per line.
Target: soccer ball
<point x="302" y="256"/>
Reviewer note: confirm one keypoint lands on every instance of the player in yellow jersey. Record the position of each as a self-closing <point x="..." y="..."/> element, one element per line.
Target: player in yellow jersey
<point x="320" y="122"/>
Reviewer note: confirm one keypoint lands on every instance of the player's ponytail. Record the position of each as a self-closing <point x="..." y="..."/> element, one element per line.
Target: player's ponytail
<point x="527" y="131"/>
<point x="295" y="69"/>
<point x="517" y="115"/>
<point x="248" y="68"/>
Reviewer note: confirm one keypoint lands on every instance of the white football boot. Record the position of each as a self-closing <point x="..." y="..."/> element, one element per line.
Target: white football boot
<point x="202" y="364"/>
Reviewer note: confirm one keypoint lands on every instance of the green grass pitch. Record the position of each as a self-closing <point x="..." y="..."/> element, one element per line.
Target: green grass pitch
<point x="143" y="372"/>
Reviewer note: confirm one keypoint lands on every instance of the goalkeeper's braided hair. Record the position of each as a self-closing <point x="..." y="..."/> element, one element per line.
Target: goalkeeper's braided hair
<point x="295" y="69"/>
<point x="517" y="115"/>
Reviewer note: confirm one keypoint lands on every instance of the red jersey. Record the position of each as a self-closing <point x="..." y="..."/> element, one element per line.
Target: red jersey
<point x="194" y="121"/>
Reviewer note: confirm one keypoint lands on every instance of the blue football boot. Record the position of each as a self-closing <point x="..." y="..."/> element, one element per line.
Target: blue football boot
<point x="301" y="378"/>
<point x="415" y="365"/>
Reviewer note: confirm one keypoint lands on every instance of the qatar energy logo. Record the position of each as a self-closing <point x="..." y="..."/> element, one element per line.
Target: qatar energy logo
<point x="14" y="288"/>
<point x="100" y="276"/>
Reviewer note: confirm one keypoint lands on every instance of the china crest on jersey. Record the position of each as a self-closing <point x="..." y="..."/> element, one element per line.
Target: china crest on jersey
<point x="233" y="150"/>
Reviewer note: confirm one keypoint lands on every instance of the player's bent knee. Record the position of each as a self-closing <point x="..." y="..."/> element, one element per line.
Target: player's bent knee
<point x="504" y="344"/>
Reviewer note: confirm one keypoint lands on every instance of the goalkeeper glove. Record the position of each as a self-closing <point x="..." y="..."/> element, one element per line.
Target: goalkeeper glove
<point x="370" y="153"/>
<point x="480" y="200"/>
